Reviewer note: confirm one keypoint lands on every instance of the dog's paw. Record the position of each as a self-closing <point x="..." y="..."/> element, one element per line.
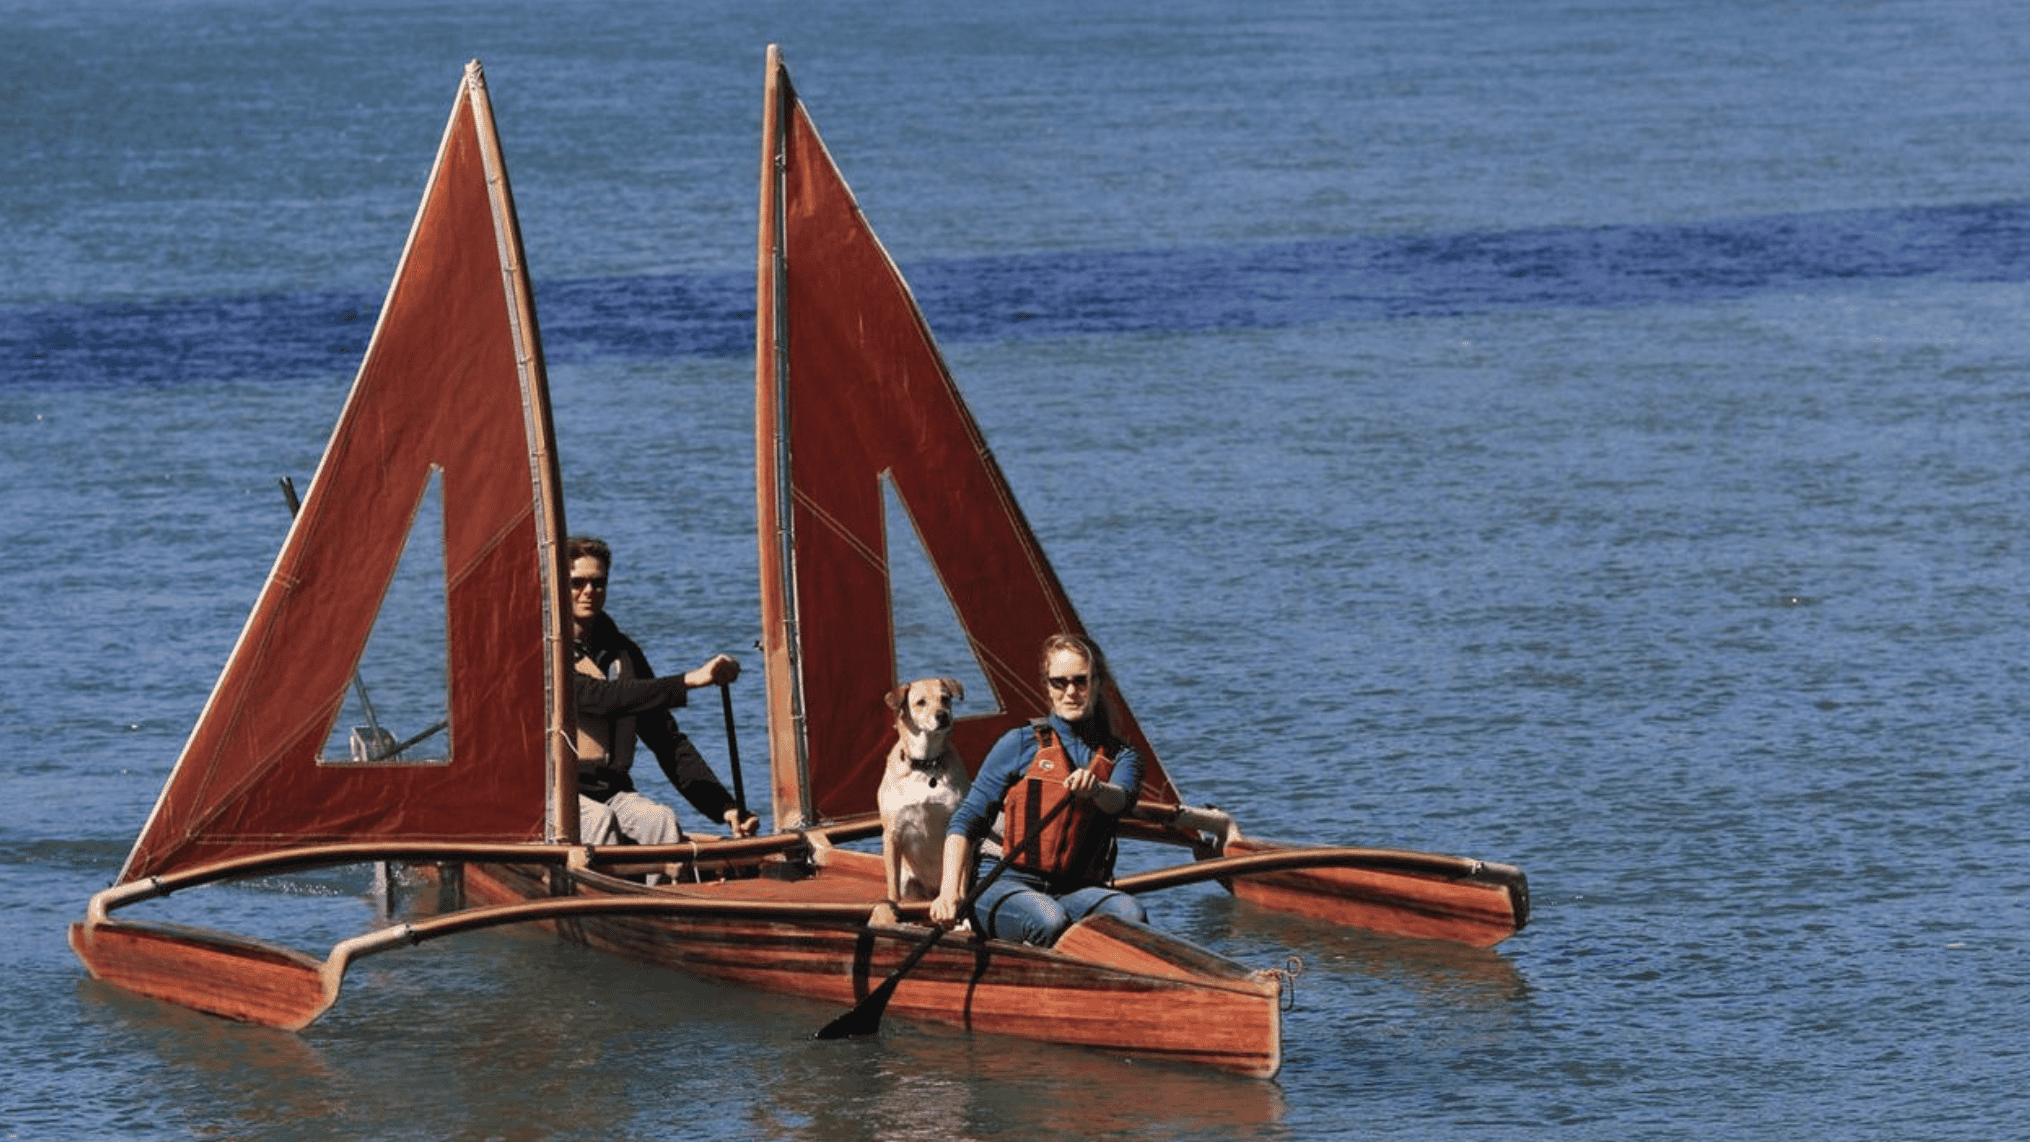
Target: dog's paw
<point x="884" y="915"/>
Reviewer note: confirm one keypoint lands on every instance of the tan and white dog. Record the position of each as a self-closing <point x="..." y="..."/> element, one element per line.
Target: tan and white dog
<point x="921" y="788"/>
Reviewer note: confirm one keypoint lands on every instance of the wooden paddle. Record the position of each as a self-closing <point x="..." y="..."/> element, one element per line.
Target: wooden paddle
<point x="732" y="747"/>
<point x="865" y="1018"/>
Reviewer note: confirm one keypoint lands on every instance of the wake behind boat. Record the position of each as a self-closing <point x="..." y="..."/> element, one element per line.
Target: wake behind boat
<point x="854" y="407"/>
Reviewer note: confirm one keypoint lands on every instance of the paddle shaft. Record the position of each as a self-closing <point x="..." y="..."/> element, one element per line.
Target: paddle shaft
<point x="732" y="747"/>
<point x="865" y="1018"/>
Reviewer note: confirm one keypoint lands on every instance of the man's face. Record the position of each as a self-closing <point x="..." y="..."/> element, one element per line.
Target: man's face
<point x="588" y="588"/>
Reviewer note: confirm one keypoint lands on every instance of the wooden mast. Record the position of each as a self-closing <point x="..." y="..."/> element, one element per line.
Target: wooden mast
<point x="788" y="756"/>
<point x="560" y="722"/>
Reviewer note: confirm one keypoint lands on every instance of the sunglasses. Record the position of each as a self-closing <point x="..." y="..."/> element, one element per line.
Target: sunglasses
<point x="1082" y="681"/>
<point x="581" y="582"/>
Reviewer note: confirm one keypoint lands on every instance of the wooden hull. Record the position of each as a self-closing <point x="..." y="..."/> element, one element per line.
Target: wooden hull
<point x="1109" y="986"/>
<point x="1481" y="909"/>
<point x="248" y="980"/>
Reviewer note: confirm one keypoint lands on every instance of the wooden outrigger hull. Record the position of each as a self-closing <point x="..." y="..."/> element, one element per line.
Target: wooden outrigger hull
<point x="251" y="981"/>
<point x="1481" y="908"/>
<point x="1396" y="892"/>
<point x="1107" y="985"/>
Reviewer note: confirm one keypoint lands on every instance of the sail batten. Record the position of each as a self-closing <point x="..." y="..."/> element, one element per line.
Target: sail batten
<point x="452" y="383"/>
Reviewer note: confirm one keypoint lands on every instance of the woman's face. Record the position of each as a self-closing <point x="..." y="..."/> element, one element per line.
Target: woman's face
<point x="1070" y="677"/>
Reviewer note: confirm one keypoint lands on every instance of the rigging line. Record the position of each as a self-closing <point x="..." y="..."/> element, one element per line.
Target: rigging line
<point x="838" y="527"/>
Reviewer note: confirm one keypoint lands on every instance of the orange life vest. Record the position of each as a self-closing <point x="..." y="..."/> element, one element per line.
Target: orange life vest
<point x="1078" y="844"/>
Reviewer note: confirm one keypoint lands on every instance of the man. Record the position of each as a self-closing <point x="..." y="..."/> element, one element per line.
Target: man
<point x="619" y="700"/>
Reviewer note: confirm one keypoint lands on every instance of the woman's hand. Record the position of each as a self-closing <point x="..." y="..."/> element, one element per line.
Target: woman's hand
<point x="944" y="911"/>
<point x="1083" y="785"/>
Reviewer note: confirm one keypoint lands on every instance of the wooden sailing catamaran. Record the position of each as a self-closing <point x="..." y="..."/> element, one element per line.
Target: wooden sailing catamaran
<point x="854" y="406"/>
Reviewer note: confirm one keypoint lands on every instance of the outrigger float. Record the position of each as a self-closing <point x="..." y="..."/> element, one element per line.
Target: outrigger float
<point x="854" y="407"/>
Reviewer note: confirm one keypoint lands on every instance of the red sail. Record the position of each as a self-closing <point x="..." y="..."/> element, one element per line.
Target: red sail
<point x="851" y="388"/>
<point x="452" y="384"/>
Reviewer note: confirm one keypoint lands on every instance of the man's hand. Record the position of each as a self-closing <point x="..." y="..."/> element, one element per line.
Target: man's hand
<point x="742" y="824"/>
<point x="721" y="668"/>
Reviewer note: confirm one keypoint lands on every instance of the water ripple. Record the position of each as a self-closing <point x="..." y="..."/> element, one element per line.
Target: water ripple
<point x="1191" y="289"/>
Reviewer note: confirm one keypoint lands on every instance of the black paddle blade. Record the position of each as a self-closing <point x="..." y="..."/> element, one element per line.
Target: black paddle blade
<point x="865" y="1018"/>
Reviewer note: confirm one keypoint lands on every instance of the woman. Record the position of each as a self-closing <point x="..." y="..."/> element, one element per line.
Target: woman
<point x="1062" y="861"/>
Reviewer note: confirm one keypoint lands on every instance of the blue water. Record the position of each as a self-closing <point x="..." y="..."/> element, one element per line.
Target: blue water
<point x="1584" y="436"/>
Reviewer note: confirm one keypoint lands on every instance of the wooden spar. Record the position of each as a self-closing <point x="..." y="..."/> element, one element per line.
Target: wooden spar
<point x="790" y="787"/>
<point x="1285" y="859"/>
<point x="547" y="502"/>
<point x="443" y="852"/>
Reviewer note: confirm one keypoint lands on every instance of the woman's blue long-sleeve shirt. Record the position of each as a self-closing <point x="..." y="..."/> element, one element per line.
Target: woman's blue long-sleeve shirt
<point x="1011" y="756"/>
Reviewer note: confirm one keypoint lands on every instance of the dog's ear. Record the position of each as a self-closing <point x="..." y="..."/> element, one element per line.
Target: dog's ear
<point x="955" y="686"/>
<point x="896" y="696"/>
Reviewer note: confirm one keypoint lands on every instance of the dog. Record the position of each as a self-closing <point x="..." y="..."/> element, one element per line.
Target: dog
<point x="921" y="787"/>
